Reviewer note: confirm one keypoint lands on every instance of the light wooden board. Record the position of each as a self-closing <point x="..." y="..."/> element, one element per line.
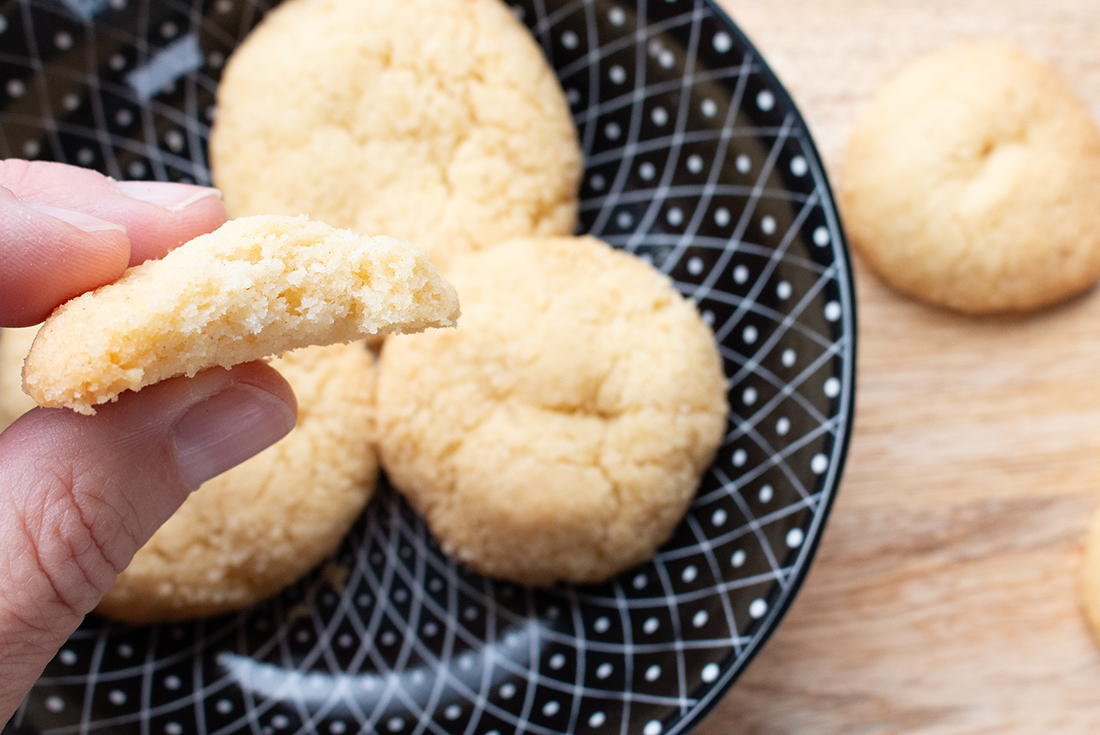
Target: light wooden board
<point x="943" y="599"/>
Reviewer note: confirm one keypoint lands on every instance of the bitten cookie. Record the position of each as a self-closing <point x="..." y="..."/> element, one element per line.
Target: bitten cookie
<point x="255" y="287"/>
<point x="971" y="181"/>
<point x="14" y="346"/>
<point x="257" y="528"/>
<point x="437" y="121"/>
<point x="561" y="431"/>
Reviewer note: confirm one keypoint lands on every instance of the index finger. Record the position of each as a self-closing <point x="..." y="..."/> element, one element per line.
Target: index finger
<point x="158" y="216"/>
<point x="66" y="230"/>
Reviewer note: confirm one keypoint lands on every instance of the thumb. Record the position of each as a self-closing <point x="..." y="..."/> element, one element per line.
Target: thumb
<point x="79" y="495"/>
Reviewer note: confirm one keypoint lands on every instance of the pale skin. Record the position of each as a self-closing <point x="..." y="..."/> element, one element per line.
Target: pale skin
<point x="79" y="495"/>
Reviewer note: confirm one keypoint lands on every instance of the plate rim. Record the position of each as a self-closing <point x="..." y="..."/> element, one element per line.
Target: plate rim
<point x="842" y="251"/>
<point x="713" y="694"/>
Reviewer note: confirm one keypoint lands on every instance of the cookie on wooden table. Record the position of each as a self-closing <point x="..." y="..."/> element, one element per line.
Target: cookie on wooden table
<point x="972" y="181"/>
<point x="560" y="432"/>
<point x="255" y="287"/>
<point x="251" y="531"/>
<point x="437" y="121"/>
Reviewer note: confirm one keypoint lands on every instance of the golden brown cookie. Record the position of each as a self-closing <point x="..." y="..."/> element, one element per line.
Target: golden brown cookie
<point x="436" y="121"/>
<point x="255" y="529"/>
<point x="255" y="287"/>
<point x="560" y="432"/>
<point x="971" y="181"/>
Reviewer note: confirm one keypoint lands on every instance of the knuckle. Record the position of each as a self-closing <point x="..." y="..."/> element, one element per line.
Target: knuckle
<point x="65" y="534"/>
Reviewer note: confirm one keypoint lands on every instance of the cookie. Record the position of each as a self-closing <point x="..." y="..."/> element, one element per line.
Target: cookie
<point x="257" y="528"/>
<point x="436" y="121"/>
<point x="560" y="432"/>
<point x="255" y="287"/>
<point x="1090" y="576"/>
<point x="14" y="346"/>
<point x="971" y="181"/>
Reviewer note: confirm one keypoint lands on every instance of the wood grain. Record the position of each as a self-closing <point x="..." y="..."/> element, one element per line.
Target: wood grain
<point x="943" y="599"/>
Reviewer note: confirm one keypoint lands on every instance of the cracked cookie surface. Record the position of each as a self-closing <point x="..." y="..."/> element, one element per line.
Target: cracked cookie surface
<point x="560" y="432"/>
<point x="436" y="121"/>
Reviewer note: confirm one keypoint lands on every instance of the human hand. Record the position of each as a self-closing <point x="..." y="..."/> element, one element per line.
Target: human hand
<point x="79" y="495"/>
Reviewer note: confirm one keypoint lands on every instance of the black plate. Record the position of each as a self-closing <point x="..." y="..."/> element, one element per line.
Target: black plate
<point x="697" y="160"/>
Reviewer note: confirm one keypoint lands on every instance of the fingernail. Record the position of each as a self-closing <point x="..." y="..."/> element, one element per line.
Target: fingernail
<point x="86" y="222"/>
<point x="170" y="195"/>
<point x="226" y="429"/>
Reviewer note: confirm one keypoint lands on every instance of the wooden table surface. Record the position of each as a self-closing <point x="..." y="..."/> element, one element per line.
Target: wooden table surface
<point x="944" y="595"/>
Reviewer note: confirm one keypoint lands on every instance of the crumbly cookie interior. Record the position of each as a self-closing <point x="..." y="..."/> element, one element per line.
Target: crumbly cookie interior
<point x="256" y="287"/>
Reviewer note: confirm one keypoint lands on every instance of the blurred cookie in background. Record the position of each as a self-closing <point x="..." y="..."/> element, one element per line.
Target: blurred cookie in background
<point x="437" y="122"/>
<point x="972" y="181"/>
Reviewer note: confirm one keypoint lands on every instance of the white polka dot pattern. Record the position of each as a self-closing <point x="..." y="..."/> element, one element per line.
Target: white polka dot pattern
<point x="697" y="161"/>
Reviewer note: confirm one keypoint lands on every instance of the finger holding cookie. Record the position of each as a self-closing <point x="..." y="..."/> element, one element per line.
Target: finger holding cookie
<point x="79" y="495"/>
<point x="69" y="230"/>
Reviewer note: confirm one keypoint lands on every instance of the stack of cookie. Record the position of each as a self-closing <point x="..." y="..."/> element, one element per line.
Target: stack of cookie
<point x="561" y="430"/>
<point x="557" y="434"/>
